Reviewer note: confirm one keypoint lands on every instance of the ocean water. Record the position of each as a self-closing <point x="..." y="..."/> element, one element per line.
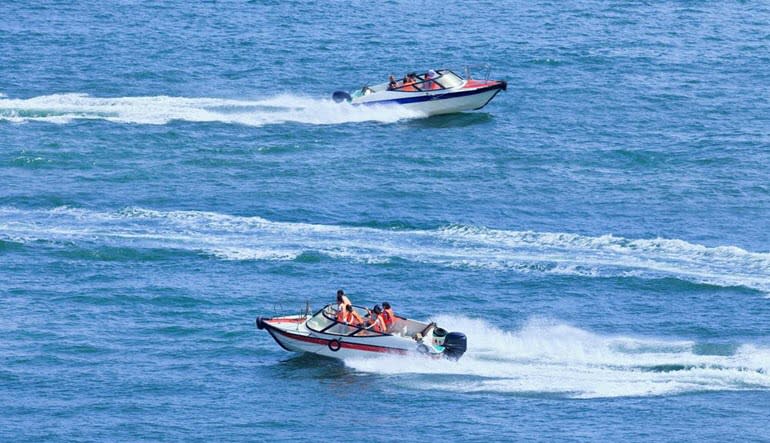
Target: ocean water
<point x="600" y="231"/>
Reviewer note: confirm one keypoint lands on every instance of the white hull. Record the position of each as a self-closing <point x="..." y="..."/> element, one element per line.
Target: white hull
<point x="432" y="102"/>
<point x="321" y="334"/>
<point x="445" y="94"/>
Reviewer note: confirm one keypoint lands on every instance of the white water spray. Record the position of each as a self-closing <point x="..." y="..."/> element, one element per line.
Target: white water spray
<point x="159" y="110"/>
<point x="254" y="238"/>
<point x="555" y="358"/>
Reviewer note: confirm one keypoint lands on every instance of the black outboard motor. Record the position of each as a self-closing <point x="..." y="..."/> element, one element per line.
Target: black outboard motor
<point x="455" y="345"/>
<point x="341" y="96"/>
<point x="260" y="323"/>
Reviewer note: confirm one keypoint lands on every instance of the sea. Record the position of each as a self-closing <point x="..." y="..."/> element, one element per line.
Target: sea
<point x="170" y="171"/>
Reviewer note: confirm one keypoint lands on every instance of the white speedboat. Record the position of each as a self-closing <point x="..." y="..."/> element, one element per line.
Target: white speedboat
<point x="322" y="334"/>
<point x="431" y="93"/>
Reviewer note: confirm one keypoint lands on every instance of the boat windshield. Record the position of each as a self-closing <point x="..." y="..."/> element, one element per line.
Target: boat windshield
<point x="325" y="321"/>
<point x="444" y="79"/>
<point x="449" y="79"/>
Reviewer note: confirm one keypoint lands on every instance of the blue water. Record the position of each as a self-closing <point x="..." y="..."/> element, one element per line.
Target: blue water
<point x="601" y="231"/>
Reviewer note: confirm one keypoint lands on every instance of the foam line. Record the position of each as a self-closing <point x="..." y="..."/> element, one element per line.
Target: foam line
<point x="550" y="357"/>
<point x="254" y="238"/>
<point x="159" y="110"/>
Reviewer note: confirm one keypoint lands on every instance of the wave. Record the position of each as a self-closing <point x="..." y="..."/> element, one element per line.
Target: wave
<point x="547" y="357"/>
<point x="254" y="238"/>
<point x="159" y="110"/>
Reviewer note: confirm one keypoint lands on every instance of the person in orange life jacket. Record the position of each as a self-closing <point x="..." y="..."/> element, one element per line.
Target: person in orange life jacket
<point x="376" y="322"/>
<point x="352" y="317"/>
<point x="409" y="81"/>
<point x="342" y="302"/>
<point x="388" y="317"/>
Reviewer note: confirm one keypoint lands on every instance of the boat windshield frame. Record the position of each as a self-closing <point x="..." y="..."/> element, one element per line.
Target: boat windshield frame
<point x="422" y="80"/>
<point x="328" y="313"/>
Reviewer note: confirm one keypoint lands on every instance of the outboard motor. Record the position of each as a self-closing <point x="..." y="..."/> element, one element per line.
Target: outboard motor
<point x="341" y="96"/>
<point x="455" y="345"/>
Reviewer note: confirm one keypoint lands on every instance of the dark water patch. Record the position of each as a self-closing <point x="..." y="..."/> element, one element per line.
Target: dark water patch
<point x="8" y="377"/>
<point x="124" y="254"/>
<point x="638" y="158"/>
<point x="118" y="297"/>
<point x="10" y="245"/>
<point x="36" y="201"/>
<point x="176" y="331"/>
<point x="463" y="120"/>
<point x="392" y="225"/>
<point x="176" y="301"/>
<point x="547" y="62"/>
<point x="311" y="366"/>
<point x="283" y="148"/>
<point x="723" y="349"/>
<point x="669" y="368"/>
<point x="31" y="162"/>
<point x="679" y="285"/>
<point x="311" y="257"/>
<point x="62" y="348"/>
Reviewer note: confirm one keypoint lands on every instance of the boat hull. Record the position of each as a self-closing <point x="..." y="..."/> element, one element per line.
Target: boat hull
<point x="292" y="335"/>
<point x="437" y="103"/>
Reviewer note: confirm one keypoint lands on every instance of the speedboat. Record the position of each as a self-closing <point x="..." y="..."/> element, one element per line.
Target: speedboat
<point x="322" y="334"/>
<point x="432" y="93"/>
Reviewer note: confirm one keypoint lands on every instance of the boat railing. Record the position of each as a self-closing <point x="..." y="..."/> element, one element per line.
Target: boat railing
<point x="330" y="314"/>
<point x="485" y="69"/>
<point x="421" y="80"/>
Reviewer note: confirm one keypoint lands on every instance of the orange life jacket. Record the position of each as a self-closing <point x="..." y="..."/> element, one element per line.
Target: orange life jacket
<point x="388" y="317"/>
<point x="378" y="325"/>
<point x="352" y="318"/>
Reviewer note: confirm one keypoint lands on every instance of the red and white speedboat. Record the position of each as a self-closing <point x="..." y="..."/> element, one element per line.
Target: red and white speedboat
<point x="432" y="93"/>
<point x="322" y="334"/>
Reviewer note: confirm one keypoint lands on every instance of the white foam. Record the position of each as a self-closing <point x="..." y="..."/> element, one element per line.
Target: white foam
<point x="550" y="357"/>
<point x="158" y="110"/>
<point x="255" y="238"/>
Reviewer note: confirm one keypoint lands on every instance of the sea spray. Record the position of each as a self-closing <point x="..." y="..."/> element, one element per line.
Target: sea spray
<point x="254" y="238"/>
<point x="546" y="356"/>
<point x="159" y="110"/>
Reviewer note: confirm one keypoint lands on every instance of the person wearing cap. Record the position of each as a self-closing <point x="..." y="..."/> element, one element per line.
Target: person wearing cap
<point x="376" y="322"/>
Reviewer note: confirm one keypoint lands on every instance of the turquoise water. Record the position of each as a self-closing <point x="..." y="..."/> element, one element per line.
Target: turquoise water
<point x="600" y="231"/>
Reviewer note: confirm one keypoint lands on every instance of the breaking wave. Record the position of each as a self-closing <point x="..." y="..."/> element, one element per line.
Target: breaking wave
<point x="559" y="359"/>
<point x="159" y="110"/>
<point x="254" y="238"/>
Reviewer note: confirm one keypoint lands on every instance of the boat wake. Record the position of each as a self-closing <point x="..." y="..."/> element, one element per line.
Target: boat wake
<point x="557" y="359"/>
<point x="254" y="238"/>
<point x="159" y="110"/>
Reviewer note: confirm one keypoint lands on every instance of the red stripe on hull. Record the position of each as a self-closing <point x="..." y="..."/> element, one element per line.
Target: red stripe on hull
<point x="343" y="344"/>
<point x="285" y="320"/>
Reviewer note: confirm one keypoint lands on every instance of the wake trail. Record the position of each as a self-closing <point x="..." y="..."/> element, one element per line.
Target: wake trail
<point x="558" y="359"/>
<point x="254" y="238"/>
<point x="160" y="110"/>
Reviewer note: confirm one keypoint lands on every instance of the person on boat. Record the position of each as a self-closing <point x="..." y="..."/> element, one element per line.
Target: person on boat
<point x="376" y="322"/>
<point x="352" y="317"/>
<point x="409" y="82"/>
<point x="392" y="84"/>
<point x="342" y="302"/>
<point x="429" y="76"/>
<point x="388" y="317"/>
